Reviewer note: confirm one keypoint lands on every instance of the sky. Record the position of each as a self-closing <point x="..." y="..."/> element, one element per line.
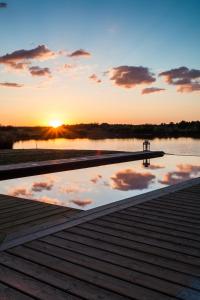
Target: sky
<point x="115" y="61"/>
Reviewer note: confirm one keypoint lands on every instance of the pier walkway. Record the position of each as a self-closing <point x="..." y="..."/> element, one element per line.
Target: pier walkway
<point x="145" y="247"/>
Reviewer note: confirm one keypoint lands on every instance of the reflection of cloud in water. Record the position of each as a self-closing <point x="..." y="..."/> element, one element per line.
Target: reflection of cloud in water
<point x="49" y="200"/>
<point x="155" y="167"/>
<point x="20" y="192"/>
<point x="183" y="172"/>
<point x="96" y="178"/>
<point x="72" y="189"/>
<point x="82" y="202"/>
<point x="40" y="186"/>
<point x="129" y="179"/>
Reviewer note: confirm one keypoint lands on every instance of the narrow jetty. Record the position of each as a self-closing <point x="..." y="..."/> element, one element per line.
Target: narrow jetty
<point x="145" y="247"/>
<point x="35" y="168"/>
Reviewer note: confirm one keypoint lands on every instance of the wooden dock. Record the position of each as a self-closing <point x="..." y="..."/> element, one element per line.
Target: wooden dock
<point x="41" y="167"/>
<point x="145" y="247"/>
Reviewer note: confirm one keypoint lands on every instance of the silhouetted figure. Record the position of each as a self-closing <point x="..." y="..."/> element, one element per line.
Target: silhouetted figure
<point x="146" y="145"/>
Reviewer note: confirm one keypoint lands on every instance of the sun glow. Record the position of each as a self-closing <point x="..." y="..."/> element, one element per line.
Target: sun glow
<point x="55" y="123"/>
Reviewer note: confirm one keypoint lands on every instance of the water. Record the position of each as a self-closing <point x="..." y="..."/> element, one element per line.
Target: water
<point x="92" y="187"/>
<point x="171" y="145"/>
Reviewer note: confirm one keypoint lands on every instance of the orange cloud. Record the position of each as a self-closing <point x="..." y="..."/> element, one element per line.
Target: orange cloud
<point x="129" y="179"/>
<point x="131" y="76"/>
<point x="40" y="186"/>
<point x="37" y="71"/>
<point x="82" y="202"/>
<point x="20" y="192"/>
<point x="95" y="78"/>
<point x="80" y="53"/>
<point x="186" y="80"/>
<point x="11" y="84"/>
<point x="19" y="59"/>
<point x="96" y="178"/>
<point x="155" y="167"/>
<point x="184" y="172"/>
<point x="152" y="90"/>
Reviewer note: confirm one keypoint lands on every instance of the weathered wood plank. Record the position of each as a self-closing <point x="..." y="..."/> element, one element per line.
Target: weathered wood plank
<point x="132" y="263"/>
<point x="149" y="257"/>
<point x="26" y="284"/>
<point x="99" y="265"/>
<point x="154" y="220"/>
<point x="136" y="230"/>
<point x="8" y="293"/>
<point x="155" y="227"/>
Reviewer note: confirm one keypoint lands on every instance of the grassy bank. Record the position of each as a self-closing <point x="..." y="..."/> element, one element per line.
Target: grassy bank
<point x="27" y="155"/>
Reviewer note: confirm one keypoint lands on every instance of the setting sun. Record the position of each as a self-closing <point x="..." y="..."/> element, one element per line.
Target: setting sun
<point x="55" y="123"/>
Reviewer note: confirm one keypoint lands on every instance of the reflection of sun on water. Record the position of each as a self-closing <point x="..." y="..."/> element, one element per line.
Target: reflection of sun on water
<point x="55" y="123"/>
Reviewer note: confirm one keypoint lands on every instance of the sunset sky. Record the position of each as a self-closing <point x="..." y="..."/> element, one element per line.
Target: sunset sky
<point x="115" y="61"/>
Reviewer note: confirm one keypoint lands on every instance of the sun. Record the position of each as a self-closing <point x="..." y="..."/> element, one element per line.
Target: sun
<point x="55" y="123"/>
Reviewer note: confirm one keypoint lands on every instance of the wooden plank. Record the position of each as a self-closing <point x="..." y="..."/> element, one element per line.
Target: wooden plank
<point x="186" y="215"/>
<point x="28" y="169"/>
<point x="164" y="217"/>
<point x="108" y="268"/>
<point x="100" y="279"/>
<point x="144" y="247"/>
<point x="118" y="259"/>
<point x="35" y="268"/>
<point x="29" y="285"/>
<point x="137" y="237"/>
<point x="175" y="206"/>
<point x="30" y="213"/>
<point x="139" y="223"/>
<point x="137" y="230"/>
<point x="34" y="217"/>
<point x="150" y="257"/>
<point x="167" y="215"/>
<point x="8" y="293"/>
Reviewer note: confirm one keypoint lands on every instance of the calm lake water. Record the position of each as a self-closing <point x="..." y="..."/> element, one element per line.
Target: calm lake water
<point x="171" y="145"/>
<point x="92" y="187"/>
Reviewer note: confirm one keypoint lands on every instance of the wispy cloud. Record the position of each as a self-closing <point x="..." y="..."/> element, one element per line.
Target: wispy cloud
<point x="131" y="76"/>
<point x="20" y="192"/>
<point x="11" y="84"/>
<point x="95" y="78"/>
<point x="152" y="90"/>
<point x="80" y="53"/>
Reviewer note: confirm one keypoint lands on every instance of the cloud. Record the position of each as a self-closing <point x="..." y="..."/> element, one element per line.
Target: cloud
<point x="152" y="90"/>
<point x="82" y="202"/>
<point x="186" y="80"/>
<point x="49" y="200"/>
<point x="130" y="76"/>
<point x="183" y="172"/>
<point x="188" y="88"/>
<point x="129" y="179"/>
<point x="96" y="178"/>
<point x="20" y="59"/>
<point x="95" y="78"/>
<point x="3" y="4"/>
<point x="155" y="167"/>
<point x="20" y="192"/>
<point x="11" y="84"/>
<point x="40" y="186"/>
<point x="37" y="71"/>
<point x="79" y="53"/>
